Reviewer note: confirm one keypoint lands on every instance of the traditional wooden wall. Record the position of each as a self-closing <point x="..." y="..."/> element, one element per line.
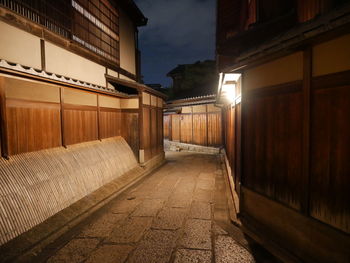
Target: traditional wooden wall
<point x="201" y="125"/>
<point x="167" y="119"/>
<point x="39" y="116"/>
<point x="152" y="118"/>
<point x="295" y="138"/>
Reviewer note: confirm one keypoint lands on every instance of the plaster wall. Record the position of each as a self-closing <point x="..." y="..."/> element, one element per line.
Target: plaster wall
<point x="18" y="46"/>
<point x="279" y="71"/>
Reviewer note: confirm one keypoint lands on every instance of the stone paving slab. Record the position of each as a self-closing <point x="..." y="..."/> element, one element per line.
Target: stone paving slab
<point x="169" y="218"/>
<point x="124" y="206"/>
<point x="197" y="234"/>
<point x="179" y="201"/>
<point x="203" y="195"/>
<point x="75" y="251"/>
<point x="148" y="207"/>
<point x="200" y="210"/>
<point x="103" y="226"/>
<point x="206" y="184"/>
<point x="160" y="194"/>
<point x="193" y="256"/>
<point x="110" y="254"/>
<point x="131" y="230"/>
<point x="227" y="250"/>
<point x="150" y="255"/>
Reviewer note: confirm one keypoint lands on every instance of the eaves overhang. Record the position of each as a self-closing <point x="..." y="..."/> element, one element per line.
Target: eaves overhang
<point x="132" y="84"/>
<point x="335" y="22"/>
<point x="132" y="9"/>
<point x="199" y="100"/>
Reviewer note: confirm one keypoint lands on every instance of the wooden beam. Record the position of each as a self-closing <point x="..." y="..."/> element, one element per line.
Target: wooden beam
<point x="3" y="120"/>
<point x="43" y="58"/>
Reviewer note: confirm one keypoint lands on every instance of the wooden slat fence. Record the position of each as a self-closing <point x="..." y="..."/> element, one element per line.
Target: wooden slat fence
<point x="200" y="128"/>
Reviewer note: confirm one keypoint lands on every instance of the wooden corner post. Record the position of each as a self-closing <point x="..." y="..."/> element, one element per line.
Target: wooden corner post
<point x="3" y="121"/>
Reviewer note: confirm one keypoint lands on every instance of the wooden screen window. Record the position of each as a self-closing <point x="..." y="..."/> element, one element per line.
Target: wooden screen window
<point x="54" y="15"/>
<point x="96" y="27"/>
<point x="91" y="23"/>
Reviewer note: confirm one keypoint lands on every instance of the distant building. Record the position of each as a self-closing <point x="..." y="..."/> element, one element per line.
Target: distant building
<point x="191" y="116"/>
<point x="285" y="89"/>
<point x="191" y="80"/>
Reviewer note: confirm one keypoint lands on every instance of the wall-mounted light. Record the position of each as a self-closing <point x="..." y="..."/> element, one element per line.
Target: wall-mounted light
<point x="229" y="90"/>
<point x="227" y="87"/>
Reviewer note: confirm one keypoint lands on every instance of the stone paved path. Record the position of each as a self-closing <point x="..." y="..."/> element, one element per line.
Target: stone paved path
<point x="167" y="217"/>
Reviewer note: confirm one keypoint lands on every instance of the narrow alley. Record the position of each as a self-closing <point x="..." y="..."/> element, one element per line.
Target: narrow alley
<point x="167" y="217"/>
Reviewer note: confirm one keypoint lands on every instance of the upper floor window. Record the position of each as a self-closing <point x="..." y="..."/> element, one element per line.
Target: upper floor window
<point x="92" y="23"/>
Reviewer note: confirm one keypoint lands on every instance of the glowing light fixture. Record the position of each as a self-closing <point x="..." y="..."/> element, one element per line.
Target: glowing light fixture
<point x="227" y="86"/>
<point x="229" y="90"/>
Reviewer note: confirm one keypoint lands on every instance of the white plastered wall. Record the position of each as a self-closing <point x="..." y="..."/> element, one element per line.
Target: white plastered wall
<point x="65" y="63"/>
<point x="129" y="103"/>
<point x="127" y="44"/>
<point x="20" y="47"/>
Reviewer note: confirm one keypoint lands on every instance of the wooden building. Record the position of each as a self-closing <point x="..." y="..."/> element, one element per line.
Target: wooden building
<point x="285" y="85"/>
<point x="71" y="105"/>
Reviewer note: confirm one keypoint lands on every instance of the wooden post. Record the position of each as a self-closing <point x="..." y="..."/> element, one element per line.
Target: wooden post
<point x="98" y="118"/>
<point x="63" y="139"/>
<point x="141" y="135"/>
<point x="170" y="127"/>
<point x="307" y="75"/>
<point x="43" y="58"/>
<point x="207" y="121"/>
<point x="3" y="122"/>
<point x="192" y="140"/>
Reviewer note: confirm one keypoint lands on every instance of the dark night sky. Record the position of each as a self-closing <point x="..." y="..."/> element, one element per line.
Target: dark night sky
<point x="178" y="32"/>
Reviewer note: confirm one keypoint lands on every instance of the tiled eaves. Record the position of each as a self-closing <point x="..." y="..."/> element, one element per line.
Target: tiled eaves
<point x="55" y="77"/>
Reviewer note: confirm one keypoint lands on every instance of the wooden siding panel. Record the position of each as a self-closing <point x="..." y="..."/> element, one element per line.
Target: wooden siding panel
<point x="110" y="124"/>
<point x="175" y="127"/>
<point x="160" y="136"/>
<point x="186" y="128"/>
<point x="167" y="127"/>
<point x="330" y="151"/>
<point x="153" y="132"/>
<point x="147" y="133"/>
<point x="80" y="126"/>
<point x="272" y="153"/>
<point x="130" y="130"/>
<point x="214" y="129"/>
<point x="200" y="129"/>
<point x="32" y="126"/>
